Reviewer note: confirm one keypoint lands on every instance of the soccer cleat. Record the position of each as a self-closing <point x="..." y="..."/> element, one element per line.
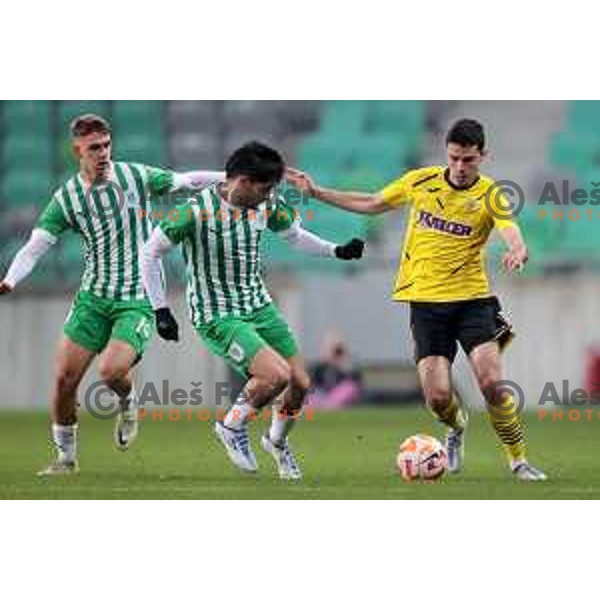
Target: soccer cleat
<point x="455" y="449"/>
<point x="127" y="426"/>
<point x="284" y="458"/>
<point x="525" y="472"/>
<point x="237" y="444"/>
<point x="60" y="467"/>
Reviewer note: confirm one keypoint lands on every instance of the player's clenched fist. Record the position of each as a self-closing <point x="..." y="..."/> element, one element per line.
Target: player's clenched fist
<point x="353" y="250"/>
<point x="166" y="325"/>
<point x="5" y="288"/>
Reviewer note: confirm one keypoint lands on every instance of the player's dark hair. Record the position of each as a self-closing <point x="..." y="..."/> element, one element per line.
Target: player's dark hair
<point x="86" y="124"/>
<point x="466" y="133"/>
<point x="257" y="161"/>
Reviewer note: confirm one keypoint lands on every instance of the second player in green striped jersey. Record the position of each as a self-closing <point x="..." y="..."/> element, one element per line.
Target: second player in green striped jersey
<point x="230" y="306"/>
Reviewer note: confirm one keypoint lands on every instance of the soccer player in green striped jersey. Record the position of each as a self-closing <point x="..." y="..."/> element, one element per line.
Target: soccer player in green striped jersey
<point x="105" y="203"/>
<point x="229" y="304"/>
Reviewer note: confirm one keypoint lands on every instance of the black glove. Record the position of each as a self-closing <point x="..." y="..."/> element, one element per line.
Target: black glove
<point x="353" y="250"/>
<point x="166" y="325"/>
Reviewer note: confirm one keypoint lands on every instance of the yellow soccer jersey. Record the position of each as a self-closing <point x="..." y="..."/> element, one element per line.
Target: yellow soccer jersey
<point x="443" y="259"/>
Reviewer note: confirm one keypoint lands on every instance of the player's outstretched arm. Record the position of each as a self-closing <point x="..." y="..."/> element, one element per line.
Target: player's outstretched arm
<point x="28" y="256"/>
<point x="158" y="245"/>
<point x="357" y="202"/>
<point x="195" y="180"/>
<point x="517" y="254"/>
<point x="305" y="241"/>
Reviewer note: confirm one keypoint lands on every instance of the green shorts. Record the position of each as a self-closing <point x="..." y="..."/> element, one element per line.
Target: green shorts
<point x="93" y="321"/>
<point x="239" y="339"/>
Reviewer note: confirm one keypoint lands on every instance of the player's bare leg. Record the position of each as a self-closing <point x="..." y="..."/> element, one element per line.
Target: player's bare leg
<point x="503" y="409"/>
<point x="286" y="411"/>
<point x="114" y="369"/>
<point x="70" y="364"/>
<point x="435" y="377"/>
<point x="269" y="376"/>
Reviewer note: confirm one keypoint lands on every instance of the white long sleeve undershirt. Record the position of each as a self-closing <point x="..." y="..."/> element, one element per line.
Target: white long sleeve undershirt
<point x="196" y="179"/>
<point x="28" y="256"/>
<point x="155" y="248"/>
<point x="305" y="241"/>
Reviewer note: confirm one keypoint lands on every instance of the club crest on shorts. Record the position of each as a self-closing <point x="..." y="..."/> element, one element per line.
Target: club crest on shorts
<point x="236" y="352"/>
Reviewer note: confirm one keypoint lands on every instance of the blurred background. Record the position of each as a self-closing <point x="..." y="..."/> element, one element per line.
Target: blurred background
<point x="348" y="327"/>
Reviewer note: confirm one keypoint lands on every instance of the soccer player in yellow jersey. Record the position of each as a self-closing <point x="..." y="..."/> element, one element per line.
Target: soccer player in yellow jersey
<point x="442" y="277"/>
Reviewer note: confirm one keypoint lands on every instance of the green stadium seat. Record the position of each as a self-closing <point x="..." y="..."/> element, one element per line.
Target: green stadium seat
<point x="573" y="150"/>
<point x="70" y="259"/>
<point x="319" y="152"/>
<point x="31" y="116"/>
<point x="344" y="116"/>
<point x="385" y="153"/>
<point x="28" y="186"/>
<point x="405" y="117"/>
<point x="138" y="117"/>
<point x="142" y="148"/>
<point x="368" y="178"/>
<point x="584" y="116"/>
<point x="26" y="150"/>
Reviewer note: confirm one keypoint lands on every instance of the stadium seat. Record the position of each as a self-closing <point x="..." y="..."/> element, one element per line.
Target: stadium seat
<point x="138" y="117"/>
<point x="385" y="153"/>
<point x="401" y="116"/>
<point x="142" y="148"/>
<point x="23" y="149"/>
<point x="27" y="186"/>
<point x="32" y="116"/>
<point x="323" y="152"/>
<point x="584" y="116"/>
<point x="344" y="116"/>
<point x="576" y="151"/>
<point x="70" y="259"/>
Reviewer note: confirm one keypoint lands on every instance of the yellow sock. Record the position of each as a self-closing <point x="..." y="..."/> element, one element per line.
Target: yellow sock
<point x="452" y="415"/>
<point x="508" y="426"/>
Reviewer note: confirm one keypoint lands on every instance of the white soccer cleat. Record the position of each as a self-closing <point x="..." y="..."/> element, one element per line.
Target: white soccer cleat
<point x="455" y="449"/>
<point x="525" y="472"/>
<point x="237" y="444"/>
<point x="60" y="467"/>
<point x="127" y="425"/>
<point x="284" y="458"/>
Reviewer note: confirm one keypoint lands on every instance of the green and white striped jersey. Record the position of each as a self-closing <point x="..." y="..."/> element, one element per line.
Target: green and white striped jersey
<point x="113" y="223"/>
<point x="221" y="249"/>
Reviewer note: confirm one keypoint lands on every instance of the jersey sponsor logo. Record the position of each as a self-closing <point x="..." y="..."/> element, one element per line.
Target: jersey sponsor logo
<point x="428" y="220"/>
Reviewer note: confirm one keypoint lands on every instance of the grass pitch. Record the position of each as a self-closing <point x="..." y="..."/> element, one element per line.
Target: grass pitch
<point x="346" y="455"/>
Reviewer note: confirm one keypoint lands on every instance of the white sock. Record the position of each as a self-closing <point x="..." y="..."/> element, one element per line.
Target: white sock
<point x="65" y="441"/>
<point x="131" y="405"/>
<point x="281" y="426"/>
<point x="238" y="415"/>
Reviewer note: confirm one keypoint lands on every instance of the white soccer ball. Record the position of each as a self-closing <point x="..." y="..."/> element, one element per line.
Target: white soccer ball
<point x="422" y="457"/>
